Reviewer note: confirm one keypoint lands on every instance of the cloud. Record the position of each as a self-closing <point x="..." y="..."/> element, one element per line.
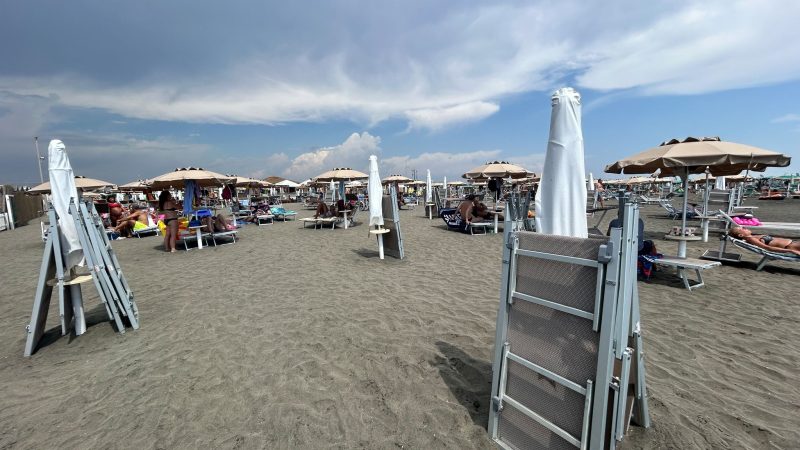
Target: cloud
<point x="787" y="118"/>
<point x="438" y="118"/>
<point x="354" y="152"/>
<point x="428" y="63"/>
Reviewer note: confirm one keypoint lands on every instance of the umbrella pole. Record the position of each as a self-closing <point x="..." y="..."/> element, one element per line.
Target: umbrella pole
<point x="682" y="244"/>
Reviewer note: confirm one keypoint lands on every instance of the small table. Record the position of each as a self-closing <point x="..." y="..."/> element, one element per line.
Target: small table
<point x="380" y="232"/>
<point x="682" y="240"/>
<point x="199" y="235"/>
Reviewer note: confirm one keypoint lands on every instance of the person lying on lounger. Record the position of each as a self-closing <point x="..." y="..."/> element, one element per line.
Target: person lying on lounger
<point x="767" y="242"/>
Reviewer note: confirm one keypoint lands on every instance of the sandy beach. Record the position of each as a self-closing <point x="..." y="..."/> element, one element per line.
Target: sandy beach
<point x="302" y="338"/>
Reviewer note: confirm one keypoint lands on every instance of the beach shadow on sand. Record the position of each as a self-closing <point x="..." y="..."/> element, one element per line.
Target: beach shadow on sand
<point x="95" y="316"/>
<point x="469" y="379"/>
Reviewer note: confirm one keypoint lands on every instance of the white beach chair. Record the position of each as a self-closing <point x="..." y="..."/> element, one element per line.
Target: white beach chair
<point x="681" y="265"/>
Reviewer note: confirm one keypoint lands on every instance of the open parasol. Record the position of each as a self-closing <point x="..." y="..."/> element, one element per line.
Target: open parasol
<point x="696" y="155"/>
<point x="81" y="183"/>
<point x="178" y="177"/>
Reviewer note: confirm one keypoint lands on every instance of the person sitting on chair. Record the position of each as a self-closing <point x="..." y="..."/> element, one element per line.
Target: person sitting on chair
<point x="216" y="224"/>
<point x="115" y="211"/>
<point x="136" y="220"/>
<point x="482" y="211"/>
<point x="324" y="211"/>
<point x="467" y="209"/>
<point x="767" y="242"/>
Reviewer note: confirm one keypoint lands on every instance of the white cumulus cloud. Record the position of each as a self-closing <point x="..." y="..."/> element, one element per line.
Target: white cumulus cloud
<point x="438" y="118"/>
<point x="354" y="152"/>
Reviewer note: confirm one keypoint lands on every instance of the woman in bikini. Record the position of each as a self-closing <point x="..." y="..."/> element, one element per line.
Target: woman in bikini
<point x="767" y="242"/>
<point x="168" y="207"/>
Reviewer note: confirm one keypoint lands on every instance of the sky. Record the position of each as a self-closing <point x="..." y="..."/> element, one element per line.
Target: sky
<point x="261" y="88"/>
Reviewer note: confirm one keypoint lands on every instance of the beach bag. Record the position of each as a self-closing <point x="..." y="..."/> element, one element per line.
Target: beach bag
<point x="645" y="266"/>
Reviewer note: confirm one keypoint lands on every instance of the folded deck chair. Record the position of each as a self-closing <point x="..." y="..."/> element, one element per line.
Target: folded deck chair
<point x="674" y="212"/>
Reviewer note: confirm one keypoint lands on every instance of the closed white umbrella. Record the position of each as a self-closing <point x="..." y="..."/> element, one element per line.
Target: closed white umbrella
<point x="332" y="188"/>
<point x="561" y="198"/>
<point x="720" y="183"/>
<point x="428" y="189"/>
<point x="444" y="186"/>
<point x="62" y="192"/>
<point x="375" y="191"/>
<point x="590" y="183"/>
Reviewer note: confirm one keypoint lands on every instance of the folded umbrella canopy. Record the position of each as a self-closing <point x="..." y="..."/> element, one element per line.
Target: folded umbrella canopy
<point x="428" y="189"/>
<point x="375" y="191"/>
<point x="561" y="197"/>
<point x="63" y="191"/>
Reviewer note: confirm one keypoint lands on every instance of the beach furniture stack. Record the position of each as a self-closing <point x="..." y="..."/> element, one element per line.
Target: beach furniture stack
<point x="393" y="240"/>
<point x="105" y="273"/>
<point x="568" y="368"/>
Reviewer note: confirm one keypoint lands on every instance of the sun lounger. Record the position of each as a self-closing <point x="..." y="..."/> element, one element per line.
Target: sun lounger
<point x="281" y="213"/>
<point x="319" y="222"/>
<point x="766" y="255"/>
<point x="265" y="219"/>
<point x="647" y="200"/>
<point x="152" y="228"/>
<point x="454" y="221"/>
<point x="184" y="239"/>
<point x="674" y="212"/>
<point x="223" y="234"/>
<point x="683" y="264"/>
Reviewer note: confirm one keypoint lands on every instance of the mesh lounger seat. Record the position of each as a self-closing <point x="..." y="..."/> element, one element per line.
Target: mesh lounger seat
<point x="766" y="255"/>
<point x="319" y="222"/>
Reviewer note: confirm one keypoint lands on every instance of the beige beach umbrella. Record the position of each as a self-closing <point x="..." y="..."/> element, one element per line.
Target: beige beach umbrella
<point x="135" y="186"/>
<point x="497" y="169"/>
<point x="396" y="179"/>
<point x="696" y="155"/>
<point x="82" y="183"/>
<point x="178" y="177"/>
<point x="245" y="181"/>
<point x="675" y="157"/>
<point x="341" y="174"/>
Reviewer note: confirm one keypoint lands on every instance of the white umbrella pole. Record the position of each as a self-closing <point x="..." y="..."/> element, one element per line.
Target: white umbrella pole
<point x="682" y="244"/>
<point x="380" y="245"/>
<point x="705" y="208"/>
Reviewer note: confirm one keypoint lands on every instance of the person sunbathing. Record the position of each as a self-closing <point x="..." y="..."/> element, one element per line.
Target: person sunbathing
<point x="324" y="211"/>
<point x="216" y="224"/>
<point x="136" y="220"/>
<point x="483" y="212"/>
<point x="767" y="242"/>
